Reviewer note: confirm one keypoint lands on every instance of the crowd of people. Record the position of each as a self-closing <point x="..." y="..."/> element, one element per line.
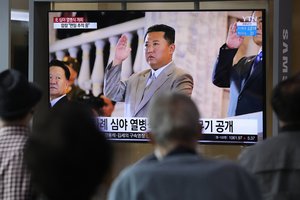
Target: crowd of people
<point x="65" y="155"/>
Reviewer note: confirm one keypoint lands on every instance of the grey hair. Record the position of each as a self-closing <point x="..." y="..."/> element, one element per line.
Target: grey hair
<point x="174" y="117"/>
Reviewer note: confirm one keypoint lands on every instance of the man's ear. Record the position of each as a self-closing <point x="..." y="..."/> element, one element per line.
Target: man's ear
<point x="67" y="89"/>
<point x="171" y="48"/>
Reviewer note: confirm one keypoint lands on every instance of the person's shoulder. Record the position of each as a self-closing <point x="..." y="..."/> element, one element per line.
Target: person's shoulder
<point x="231" y="171"/>
<point x="264" y="144"/>
<point x="140" y="73"/>
<point x="134" y="172"/>
<point x="271" y="145"/>
<point x="197" y="162"/>
<point x="222" y="164"/>
<point x="255" y="157"/>
<point x="217" y="169"/>
<point x="143" y="72"/>
<point x="64" y="99"/>
<point x="61" y="102"/>
<point x="179" y="71"/>
<point x="148" y="158"/>
<point x="250" y="152"/>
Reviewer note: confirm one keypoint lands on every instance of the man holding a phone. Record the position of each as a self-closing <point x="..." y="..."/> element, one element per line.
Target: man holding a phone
<point x="245" y="78"/>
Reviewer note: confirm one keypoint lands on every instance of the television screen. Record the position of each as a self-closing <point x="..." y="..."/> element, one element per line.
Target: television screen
<point x="219" y="49"/>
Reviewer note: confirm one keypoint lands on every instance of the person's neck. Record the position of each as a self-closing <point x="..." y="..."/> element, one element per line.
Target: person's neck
<point x="162" y="151"/>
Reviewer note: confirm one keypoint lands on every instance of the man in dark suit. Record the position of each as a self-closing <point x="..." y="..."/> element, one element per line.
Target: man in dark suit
<point x="59" y="76"/>
<point x="246" y="78"/>
<point x="163" y="76"/>
<point x="275" y="161"/>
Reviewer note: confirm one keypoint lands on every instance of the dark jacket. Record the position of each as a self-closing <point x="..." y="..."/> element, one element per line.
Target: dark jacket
<point x="275" y="163"/>
<point x="246" y="94"/>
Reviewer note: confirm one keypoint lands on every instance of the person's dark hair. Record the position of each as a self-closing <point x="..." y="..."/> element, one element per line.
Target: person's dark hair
<point x="285" y="100"/>
<point x="174" y="117"/>
<point x="72" y="62"/>
<point x="58" y="63"/>
<point x="169" y="32"/>
<point x="67" y="155"/>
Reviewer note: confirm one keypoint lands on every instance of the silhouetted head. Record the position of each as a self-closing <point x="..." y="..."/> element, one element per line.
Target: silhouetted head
<point x="174" y="121"/>
<point x="285" y="100"/>
<point x="67" y="155"/>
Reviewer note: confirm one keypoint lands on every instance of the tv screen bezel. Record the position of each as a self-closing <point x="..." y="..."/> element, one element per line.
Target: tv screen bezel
<point x="264" y="62"/>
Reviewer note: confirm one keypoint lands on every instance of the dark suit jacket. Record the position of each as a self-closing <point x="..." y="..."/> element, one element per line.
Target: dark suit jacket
<point x="246" y="94"/>
<point x="63" y="101"/>
<point x="132" y="93"/>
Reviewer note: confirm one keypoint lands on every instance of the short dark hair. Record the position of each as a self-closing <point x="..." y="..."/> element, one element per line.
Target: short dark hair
<point x="168" y="30"/>
<point x="285" y="100"/>
<point x="61" y="64"/>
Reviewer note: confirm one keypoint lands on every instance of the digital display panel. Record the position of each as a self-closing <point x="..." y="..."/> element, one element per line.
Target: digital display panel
<point x="222" y="71"/>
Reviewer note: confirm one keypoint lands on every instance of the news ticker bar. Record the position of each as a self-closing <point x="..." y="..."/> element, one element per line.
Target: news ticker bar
<point x="75" y="25"/>
<point x="68" y="19"/>
<point x="144" y="137"/>
<point x="130" y="125"/>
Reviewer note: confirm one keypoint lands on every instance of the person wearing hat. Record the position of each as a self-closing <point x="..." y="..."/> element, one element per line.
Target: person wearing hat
<point x="59" y="75"/>
<point x="18" y="98"/>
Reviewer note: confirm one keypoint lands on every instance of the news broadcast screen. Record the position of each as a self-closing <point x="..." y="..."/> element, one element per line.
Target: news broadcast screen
<point x="220" y="49"/>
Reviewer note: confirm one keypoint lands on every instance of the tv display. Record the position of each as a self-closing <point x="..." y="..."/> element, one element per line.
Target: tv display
<point x="91" y="38"/>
